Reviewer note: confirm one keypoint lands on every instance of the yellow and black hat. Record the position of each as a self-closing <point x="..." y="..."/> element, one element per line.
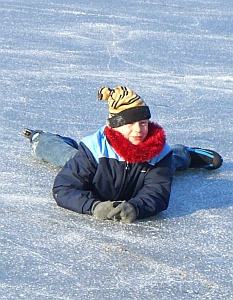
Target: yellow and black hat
<point x="125" y="106"/>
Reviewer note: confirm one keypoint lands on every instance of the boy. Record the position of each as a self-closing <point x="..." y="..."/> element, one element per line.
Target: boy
<point x="122" y="172"/>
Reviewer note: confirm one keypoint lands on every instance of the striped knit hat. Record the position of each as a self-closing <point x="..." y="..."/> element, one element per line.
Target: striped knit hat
<point x="125" y="106"/>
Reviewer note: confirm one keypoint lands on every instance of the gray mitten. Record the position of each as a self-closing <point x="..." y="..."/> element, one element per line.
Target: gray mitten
<point x="101" y="209"/>
<point x="124" y="212"/>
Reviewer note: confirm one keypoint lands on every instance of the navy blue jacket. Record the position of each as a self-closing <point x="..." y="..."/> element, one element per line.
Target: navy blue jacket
<point x="98" y="173"/>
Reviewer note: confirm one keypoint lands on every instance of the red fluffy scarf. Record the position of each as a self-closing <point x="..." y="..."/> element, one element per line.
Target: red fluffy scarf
<point x="150" y="147"/>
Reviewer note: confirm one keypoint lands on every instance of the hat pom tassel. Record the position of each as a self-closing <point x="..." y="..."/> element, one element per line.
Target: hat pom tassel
<point x="104" y="93"/>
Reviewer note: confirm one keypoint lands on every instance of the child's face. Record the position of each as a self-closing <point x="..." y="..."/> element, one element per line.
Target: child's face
<point x="134" y="132"/>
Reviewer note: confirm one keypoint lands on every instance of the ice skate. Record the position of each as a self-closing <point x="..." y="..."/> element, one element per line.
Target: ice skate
<point x="29" y="133"/>
<point x="204" y="158"/>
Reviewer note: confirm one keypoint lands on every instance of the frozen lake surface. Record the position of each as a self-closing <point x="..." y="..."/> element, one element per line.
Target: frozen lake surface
<point x="178" y="56"/>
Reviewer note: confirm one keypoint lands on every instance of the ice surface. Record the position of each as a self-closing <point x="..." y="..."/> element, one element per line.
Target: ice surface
<point x="178" y="55"/>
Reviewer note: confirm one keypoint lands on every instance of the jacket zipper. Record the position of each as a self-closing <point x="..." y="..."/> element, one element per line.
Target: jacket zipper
<point x="123" y="180"/>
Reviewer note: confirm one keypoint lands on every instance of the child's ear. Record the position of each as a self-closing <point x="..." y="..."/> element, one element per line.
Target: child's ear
<point x="108" y="124"/>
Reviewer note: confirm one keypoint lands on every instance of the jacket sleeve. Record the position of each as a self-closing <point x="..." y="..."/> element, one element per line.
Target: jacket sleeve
<point x="154" y="195"/>
<point x="72" y="187"/>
